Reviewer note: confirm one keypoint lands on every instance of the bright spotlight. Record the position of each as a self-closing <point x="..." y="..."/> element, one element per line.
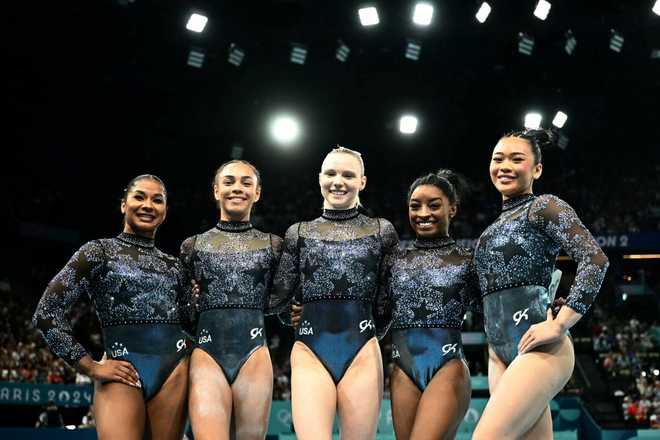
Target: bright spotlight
<point x="408" y="124"/>
<point x="197" y="23"/>
<point x="542" y="9"/>
<point x="533" y="121"/>
<point x="284" y="129"/>
<point x="656" y="8"/>
<point x="560" y="119"/>
<point x="368" y="16"/>
<point x="423" y="14"/>
<point x="484" y="12"/>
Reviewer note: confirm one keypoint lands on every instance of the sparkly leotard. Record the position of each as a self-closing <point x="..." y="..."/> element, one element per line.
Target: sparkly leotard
<point x="431" y="285"/>
<point x="233" y="264"/>
<point x="139" y="296"/>
<point x="515" y="258"/>
<point x="334" y="263"/>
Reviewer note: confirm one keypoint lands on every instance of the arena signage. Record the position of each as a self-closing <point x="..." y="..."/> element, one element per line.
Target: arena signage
<point x="31" y="394"/>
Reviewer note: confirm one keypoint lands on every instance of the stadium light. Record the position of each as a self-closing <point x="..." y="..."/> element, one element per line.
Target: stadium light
<point x="560" y="119"/>
<point x="533" y="120"/>
<point x="408" y="124"/>
<point x="423" y="14"/>
<point x="197" y="23"/>
<point x="525" y="43"/>
<point x="236" y="55"/>
<point x="196" y="57"/>
<point x="542" y="9"/>
<point x="413" y="50"/>
<point x="284" y="129"/>
<point x="343" y="51"/>
<point x="571" y="42"/>
<point x="298" y="54"/>
<point x="656" y="8"/>
<point x="368" y="16"/>
<point x="616" y="41"/>
<point x="484" y="12"/>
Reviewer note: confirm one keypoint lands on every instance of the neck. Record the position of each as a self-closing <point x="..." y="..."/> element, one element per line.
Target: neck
<point x="146" y="234"/>
<point x="226" y="217"/>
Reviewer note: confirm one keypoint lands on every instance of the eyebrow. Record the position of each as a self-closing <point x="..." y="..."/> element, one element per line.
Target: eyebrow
<point x="511" y="154"/>
<point x="432" y="200"/>
<point x="142" y="193"/>
<point x="229" y="176"/>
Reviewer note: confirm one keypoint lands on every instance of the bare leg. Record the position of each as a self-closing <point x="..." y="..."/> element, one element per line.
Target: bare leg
<point x="523" y="391"/>
<point x="444" y="403"/>
<point x="253" y="394"/>
<point x="120" y="412"/>
<point x="166" y="411"/>
<point x="210" y="399"/>
<point x="360" y="392"/>
<point x="313" y="395"/>
<point x="543" y="427"/>
<point x="405" y="398"/>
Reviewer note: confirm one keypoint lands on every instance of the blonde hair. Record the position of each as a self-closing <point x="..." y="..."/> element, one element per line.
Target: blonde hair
<point x="355" y="154"/>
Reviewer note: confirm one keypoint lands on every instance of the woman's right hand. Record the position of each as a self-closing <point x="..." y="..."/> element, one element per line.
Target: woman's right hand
<point x="296" y="313"/>
<point x="114" y="370"/>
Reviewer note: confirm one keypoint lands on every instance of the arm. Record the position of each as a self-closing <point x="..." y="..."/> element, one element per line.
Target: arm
<point x="471" y="294"/>
<point x="188" y="286"/>
<point x="558" y="220"/>
<point x="287" y="277"/>
<point x="51" y="315"/>
<point x="383" y="303"/>
<point x="50" y="318"/>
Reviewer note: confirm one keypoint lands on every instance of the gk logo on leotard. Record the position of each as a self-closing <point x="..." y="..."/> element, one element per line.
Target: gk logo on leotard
<point x="204" y="337"/>
<point x="257" y="331"/>
<point x="366" y="325"/>
<point x="306" y="328"/>
<point x="519" y="315"/>
<point x="395" y="352"/>
<point x="180" y="345"/>
<point x="118" y="350"/>
<point x="449" y="348"/>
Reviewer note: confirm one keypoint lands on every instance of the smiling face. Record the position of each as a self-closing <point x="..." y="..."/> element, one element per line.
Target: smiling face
<point x="513" y="168"/>
<point x="430" y="212"/>
<point x="341" y="180"/>
<point x="236" y="190"/>
<point x="144" y="207"/>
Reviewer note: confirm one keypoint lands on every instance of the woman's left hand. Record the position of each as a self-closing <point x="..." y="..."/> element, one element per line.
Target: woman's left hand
<point x="540" y="334"/>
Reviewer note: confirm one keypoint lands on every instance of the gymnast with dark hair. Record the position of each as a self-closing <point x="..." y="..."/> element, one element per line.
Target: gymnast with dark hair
<point x="430" y="286"/>
<point x="531" y="355"/>
<point x="332" y="265"/>
<point x="141" y="382"/>
<point x="231" y="374"/>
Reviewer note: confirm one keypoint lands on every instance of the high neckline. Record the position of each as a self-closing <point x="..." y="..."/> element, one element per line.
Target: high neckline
<point x="514" y="202"/>
<point x="233" y="226"/>
<point x="136" y="240"/>
<point x="340" y="214"/>
<point x="432" y="242"/>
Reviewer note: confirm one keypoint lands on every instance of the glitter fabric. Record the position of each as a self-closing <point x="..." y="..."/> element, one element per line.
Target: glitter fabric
<point x="234" y="265"/>
<point x="334" y="257"/>
<point x="432" y="284"/>
<point x="128" y="280"/>
<point x="521" y="246"/>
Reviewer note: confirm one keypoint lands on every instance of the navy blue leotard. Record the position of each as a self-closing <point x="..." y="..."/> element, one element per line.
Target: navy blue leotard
<point x="431" y="285"/>
<point x="234" y="265"/>
<point x="332" y="265"/>
<point x="515" y="258"/>
<point x="140" y="300"/>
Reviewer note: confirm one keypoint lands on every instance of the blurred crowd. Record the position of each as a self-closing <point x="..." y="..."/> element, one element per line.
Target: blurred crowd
<point x="629" y="354"/>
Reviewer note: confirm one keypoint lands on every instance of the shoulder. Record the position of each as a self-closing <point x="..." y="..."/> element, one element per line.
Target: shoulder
<point x="292" y="231"/>
<point x="548" y="206"/>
